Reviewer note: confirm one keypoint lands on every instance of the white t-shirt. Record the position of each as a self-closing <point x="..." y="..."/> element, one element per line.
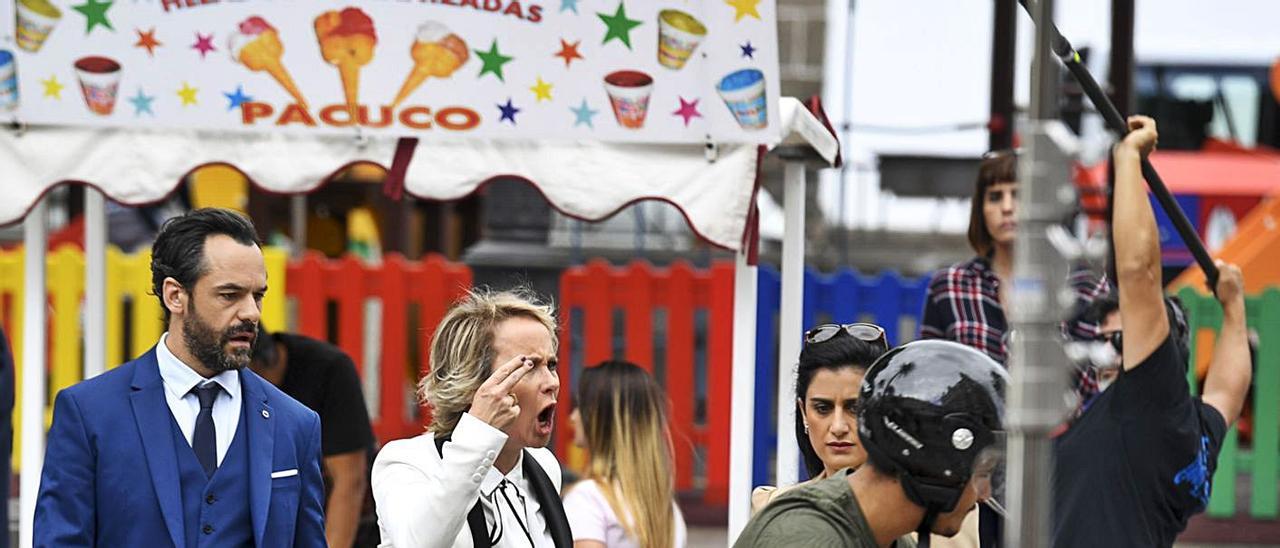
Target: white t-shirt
<point x="591" y="518"/>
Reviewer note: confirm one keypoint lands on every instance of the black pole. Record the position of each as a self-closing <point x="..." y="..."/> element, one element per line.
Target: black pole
<point x="1120" y="76"/>
<point x="1116" y="121"/>
<point x="1003" y="37"/>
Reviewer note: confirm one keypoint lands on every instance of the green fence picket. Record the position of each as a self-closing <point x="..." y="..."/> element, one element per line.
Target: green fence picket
<point x="1266" y="408"/>
<point x="1262" y="461"/>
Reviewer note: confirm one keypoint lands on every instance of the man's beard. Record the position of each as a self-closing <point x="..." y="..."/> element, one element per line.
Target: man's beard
<point x="207" y="346"/>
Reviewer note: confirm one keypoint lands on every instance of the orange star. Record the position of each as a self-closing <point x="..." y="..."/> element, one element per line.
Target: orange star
<point x="568" y="52"/>
<point x="147" y="40"/>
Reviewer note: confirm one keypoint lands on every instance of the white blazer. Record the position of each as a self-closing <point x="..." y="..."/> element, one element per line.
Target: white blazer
<point x="423" y="499"/>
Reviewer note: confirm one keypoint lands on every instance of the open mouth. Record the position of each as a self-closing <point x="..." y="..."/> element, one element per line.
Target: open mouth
<point x="244" y="338"/>
<point x="546" y="418"/>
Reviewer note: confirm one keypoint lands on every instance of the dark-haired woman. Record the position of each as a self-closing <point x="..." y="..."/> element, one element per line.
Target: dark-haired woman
<point x="828" y="377"/>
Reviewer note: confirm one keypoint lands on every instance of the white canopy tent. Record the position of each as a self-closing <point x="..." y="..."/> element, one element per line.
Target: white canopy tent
<point x="712" y="186"/>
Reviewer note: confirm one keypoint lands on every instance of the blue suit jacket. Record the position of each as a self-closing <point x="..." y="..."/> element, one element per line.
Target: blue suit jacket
<point x="111" y="472"/>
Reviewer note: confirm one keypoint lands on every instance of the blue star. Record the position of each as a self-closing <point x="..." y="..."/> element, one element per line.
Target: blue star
<point x="508" y="112"/>
<point x="748" y="50"/>
<point x="583" y="114"/>
<point x="566" y="5"/>
<point x="238" y="98"/>
<point x="142" y="103"/>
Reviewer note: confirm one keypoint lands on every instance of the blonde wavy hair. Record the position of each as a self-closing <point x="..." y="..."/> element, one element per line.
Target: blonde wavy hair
<point x="624" y="418"/>
<point x="462" y="355"/>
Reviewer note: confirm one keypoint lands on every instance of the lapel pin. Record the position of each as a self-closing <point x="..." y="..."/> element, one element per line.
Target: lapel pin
<point x="266" y="414"/>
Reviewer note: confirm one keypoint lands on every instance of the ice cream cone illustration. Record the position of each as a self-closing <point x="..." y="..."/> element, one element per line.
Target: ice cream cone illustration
<point x="436" y="52"/>
<point x="347" y="39"/>
<point x="256" y="45"/>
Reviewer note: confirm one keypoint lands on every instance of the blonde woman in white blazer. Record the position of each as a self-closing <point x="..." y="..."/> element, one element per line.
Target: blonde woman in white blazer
<point x="482" y="476"/>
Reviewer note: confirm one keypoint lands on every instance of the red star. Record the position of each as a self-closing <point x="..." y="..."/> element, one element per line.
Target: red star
<point x="204" y="44"/>
<point x="147" y="40"/>
<point x="569" y="52"/>
<point x="688" y="110"/>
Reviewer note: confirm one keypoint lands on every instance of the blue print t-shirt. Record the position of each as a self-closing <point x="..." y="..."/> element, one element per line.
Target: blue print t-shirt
<point x="1138" y="463"/>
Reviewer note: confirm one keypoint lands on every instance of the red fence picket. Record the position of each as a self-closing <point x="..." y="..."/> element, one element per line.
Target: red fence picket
<point x="640" y="291"/>
<point x="432" y="284"/>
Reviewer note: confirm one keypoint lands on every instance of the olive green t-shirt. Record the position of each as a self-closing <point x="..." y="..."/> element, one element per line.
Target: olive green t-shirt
<point x="819" y="515"/>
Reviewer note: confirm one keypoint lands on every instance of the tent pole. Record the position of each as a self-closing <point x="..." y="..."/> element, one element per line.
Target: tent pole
<point x="95" y="282"/>
<point x="298" y="224"/>
<point x="35" y="240"/>
<point x="790" y="324"/>
<point x="741" y="431"/>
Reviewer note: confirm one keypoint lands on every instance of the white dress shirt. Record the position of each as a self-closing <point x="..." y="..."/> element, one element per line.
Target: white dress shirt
<point x="423" y="499"/>
<point x="185" y="405"/>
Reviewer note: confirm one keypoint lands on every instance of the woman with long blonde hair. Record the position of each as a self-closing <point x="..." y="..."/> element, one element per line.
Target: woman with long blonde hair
<point x="626" y="498"/>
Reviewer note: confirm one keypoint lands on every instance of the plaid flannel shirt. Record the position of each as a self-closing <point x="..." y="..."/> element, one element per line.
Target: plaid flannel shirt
<point x="963" y="305"/>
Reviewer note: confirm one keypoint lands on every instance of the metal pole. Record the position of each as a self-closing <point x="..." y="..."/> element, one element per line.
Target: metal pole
<point x="298" y="223"/>
<point x="34" y="314"/>
<point x="95" y="282"/>
<point x="1120" y="68"/>
<point x="1039" y="295"/>
<point x="1004" y="36"/>
<point x="741" y="433"/>
<point x="787" y="463"/>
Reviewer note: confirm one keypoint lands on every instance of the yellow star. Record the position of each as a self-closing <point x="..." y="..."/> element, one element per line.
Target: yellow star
<point x="53" y="88"/>
<point x="541" y="90"/>
<point x="744" y="8"/>
<point x="188" y="94"/>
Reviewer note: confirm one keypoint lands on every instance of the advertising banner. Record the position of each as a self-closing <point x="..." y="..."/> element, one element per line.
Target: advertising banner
<point x="662" y="71"/>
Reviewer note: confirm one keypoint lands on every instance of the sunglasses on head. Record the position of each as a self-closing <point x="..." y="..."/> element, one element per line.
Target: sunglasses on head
<point x="863" y="331"/>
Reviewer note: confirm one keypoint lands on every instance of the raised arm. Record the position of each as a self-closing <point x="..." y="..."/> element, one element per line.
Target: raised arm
<point x="1137" y="247"/>
<point x="1229" y="372"/>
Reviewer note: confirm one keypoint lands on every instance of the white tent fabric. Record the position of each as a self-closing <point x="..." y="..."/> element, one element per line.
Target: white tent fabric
<point x="587" y="180"/>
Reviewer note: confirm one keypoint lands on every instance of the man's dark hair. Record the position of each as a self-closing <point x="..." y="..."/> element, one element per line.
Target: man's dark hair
<point x="835" y="353"/>
<point x="178" y="251"/>
<point x="1000" y="167"/>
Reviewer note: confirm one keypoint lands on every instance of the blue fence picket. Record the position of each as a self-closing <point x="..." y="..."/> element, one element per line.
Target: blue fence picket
<point x="843" y="297"/>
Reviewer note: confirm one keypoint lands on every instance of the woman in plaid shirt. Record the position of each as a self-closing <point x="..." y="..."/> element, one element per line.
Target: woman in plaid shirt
<point x="964" y="303"/>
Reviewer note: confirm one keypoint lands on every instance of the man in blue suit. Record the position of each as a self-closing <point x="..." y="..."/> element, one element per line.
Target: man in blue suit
<point x="185" y="446"/>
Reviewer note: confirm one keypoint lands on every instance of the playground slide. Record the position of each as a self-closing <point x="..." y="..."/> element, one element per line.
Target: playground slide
<point x="1255" y="248"/>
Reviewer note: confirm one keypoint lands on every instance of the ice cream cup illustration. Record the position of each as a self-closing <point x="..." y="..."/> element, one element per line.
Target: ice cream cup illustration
<point x="8" y="81"/>
<point x="629" y="92"/>
<point x="36" y="19"/>
<point x="743" y="92"/>
<point x="99" y="80"/>
<point x="678" y="35"/>
<point x="256" y="44"/>
<point x="437" y="52"/>
<point x="347" y="39"/>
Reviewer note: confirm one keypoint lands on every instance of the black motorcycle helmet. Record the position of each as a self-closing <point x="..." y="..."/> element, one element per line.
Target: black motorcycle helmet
<point x="929" y="410"/>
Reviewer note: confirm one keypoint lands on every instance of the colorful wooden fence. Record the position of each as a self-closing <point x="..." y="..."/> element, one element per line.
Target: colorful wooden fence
<point x="429" y="286"/>
<point x="678" y="323"/>
<point x="1261" y="462"/>
<point x="846" y="296"/>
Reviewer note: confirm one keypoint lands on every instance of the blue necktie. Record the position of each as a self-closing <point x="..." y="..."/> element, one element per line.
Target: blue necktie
<point x="205" y="440"/>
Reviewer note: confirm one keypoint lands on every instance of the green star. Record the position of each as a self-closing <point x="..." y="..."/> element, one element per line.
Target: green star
<point x="493" y="61"/>
<point x="619" y="26"/>
<point x="95" y="13"/>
